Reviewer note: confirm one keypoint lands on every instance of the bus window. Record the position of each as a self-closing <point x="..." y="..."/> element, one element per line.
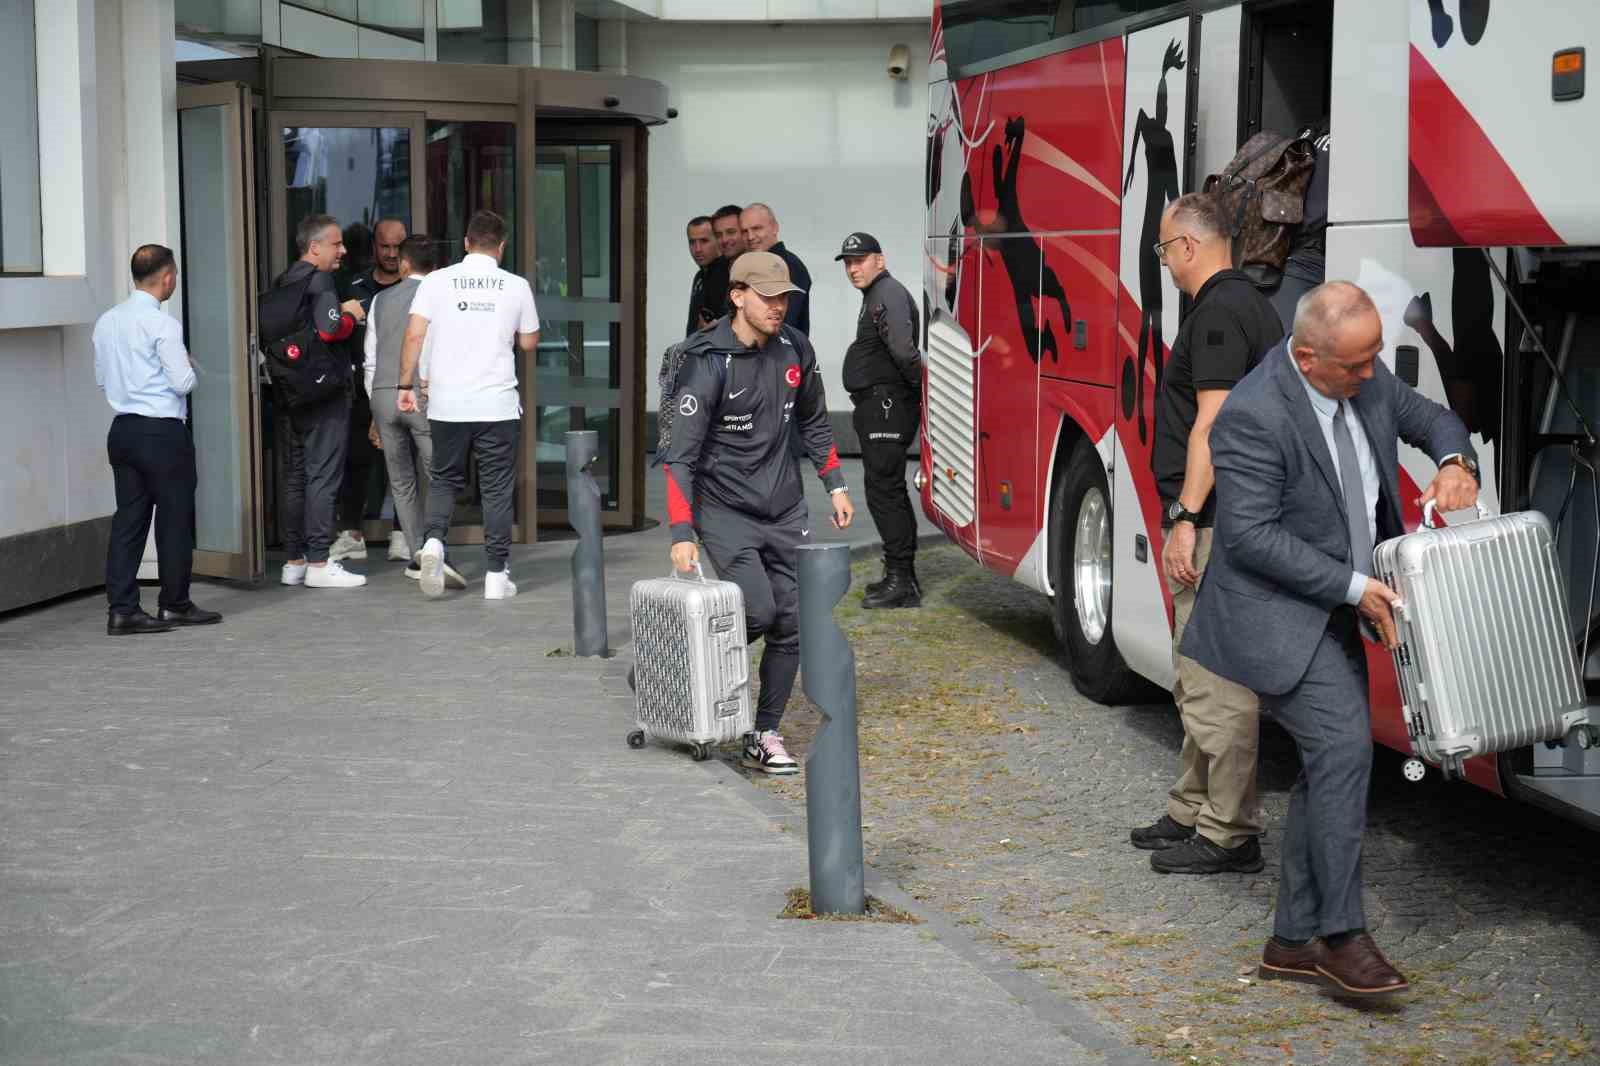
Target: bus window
<point x="979" y="30"/>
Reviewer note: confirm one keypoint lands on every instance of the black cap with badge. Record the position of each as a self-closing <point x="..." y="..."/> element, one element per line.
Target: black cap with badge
<point x="859" y="244"/>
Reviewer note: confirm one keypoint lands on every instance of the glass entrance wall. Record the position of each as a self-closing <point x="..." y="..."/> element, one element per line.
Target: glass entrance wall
<point x="579" y="367"/>
<point x="471" y="166"/>
<point x="356" y="174"/>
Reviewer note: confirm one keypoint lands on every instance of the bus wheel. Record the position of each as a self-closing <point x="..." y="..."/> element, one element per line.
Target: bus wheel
<point x="1080" y="527"/>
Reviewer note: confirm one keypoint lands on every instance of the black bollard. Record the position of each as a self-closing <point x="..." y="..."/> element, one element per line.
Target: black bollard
<point x="589" y="557"/>
<point x="833" y="770"/>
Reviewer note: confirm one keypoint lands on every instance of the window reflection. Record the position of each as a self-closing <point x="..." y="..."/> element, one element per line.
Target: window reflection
<point x="471" y="167"/>
<point x="356" y="174"/>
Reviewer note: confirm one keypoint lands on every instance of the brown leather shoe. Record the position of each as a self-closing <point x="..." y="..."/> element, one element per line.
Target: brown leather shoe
<point x="1359" y="968"/>
<point x="1292" y="962"/>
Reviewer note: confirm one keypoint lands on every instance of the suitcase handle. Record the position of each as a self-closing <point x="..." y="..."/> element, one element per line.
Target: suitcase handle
<point x="699" y="571"/>
<point x="1429" y="515"/>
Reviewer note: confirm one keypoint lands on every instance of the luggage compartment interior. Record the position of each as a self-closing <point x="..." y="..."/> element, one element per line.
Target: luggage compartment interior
<point x="1288" y="53"/>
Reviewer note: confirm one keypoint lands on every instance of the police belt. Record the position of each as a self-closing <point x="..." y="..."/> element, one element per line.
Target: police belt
<point x="897" y="393"/>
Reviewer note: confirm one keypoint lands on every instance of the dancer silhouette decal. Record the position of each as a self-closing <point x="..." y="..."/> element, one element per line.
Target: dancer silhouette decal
<point x="1161" y="187"/>
<point x="1474" y="20"/>
<point x="1470" y="368"/>
<point x="1022" y="256"/>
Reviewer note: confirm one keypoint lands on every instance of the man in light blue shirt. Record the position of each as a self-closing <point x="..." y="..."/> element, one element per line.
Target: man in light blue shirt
<point x="143" y="368"/>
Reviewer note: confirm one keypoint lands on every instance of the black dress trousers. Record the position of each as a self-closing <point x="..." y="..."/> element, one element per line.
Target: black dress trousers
<point x="152" y="465"/>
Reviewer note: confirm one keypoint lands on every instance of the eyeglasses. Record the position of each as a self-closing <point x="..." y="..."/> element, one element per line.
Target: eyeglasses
<point x="1160" y="247"/>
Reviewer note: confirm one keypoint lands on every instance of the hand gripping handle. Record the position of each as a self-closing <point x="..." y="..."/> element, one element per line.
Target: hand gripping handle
<point x="1429" y="513"/>
<point x="698" y="569"/>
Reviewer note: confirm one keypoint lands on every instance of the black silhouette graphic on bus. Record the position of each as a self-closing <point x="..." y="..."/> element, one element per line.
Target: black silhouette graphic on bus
<point x="1474" y="20"/>
<point x="1161" y="188"/>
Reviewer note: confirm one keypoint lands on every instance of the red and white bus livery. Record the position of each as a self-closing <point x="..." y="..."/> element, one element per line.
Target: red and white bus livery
<point x="1463" y="148"/>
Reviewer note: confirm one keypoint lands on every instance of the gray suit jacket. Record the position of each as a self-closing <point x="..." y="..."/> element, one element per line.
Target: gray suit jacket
<point x="1280" y="561"/>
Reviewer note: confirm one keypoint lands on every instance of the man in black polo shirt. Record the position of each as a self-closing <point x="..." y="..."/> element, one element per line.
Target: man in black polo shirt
<point x="883" y="375"/>
<point x="703" y="250"/>
<point x="1210" y="825"/>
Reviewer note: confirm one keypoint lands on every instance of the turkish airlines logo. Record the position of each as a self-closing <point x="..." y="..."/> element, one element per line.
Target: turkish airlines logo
<point x="792" y="376"/>
<point x="688" y="407"/>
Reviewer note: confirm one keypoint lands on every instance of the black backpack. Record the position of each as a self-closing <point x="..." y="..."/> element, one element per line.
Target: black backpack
<point x="672" y="361"/>
<point x="304" y="368"/>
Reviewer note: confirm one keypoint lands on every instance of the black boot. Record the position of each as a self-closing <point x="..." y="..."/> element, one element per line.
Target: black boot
<point x="899" y="589"/>
<point x="873" y="587"/>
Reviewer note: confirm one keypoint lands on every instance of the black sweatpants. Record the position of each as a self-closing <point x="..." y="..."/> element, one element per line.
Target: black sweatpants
<point x="759" y="555"/>
<point x="886" y="421"/>
<point x="152" y="468"/>
<point x="316" y="467"/>
<point x="494" y="444"/>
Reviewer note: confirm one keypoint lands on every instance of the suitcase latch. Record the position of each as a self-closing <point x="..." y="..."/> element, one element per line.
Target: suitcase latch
<point x="727" y="708"/>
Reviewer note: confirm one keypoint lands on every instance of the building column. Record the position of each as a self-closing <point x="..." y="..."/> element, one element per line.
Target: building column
<point x="613" y="46"/>
<point x="558" y="32"/>
<point x="523" y="37"/>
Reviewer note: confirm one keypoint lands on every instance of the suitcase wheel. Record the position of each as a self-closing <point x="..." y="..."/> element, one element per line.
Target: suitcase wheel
<point x="636" y="739"/>
<point x="701" y="752"/>
<point x="1414" y="769"/>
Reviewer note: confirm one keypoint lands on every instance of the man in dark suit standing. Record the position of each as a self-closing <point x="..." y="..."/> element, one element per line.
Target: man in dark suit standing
<point x="1307" y="467"/>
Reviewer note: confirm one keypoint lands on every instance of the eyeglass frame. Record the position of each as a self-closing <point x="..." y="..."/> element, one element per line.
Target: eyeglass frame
<point x="1160" y="247"/>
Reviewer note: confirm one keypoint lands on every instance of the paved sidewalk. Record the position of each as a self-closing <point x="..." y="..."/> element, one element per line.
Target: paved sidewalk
<point x="360" y="827"/>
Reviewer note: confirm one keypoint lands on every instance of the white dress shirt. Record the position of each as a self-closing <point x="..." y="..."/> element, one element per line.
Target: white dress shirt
<point x="140" y="362"/>
<point x="1325" y="409"/>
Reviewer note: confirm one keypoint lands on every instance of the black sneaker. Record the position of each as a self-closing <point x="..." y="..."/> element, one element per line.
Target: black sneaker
<point x="1201" y="856"/>
<point x="1163" y="834"/>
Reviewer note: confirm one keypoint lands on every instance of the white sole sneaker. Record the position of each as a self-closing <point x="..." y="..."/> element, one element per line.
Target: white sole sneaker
<point x="453" y="578"/>
<point x="414" y="572"/>
<point x="498" y="586"/>
<point x="293" y="574"/>
<point x="399" y="550"/>
<point x="333" y="576"/>
<point x="432" y="565"/>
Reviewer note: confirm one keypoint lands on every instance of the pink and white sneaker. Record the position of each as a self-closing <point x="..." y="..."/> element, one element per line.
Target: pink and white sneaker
<point x="764" y="751"/>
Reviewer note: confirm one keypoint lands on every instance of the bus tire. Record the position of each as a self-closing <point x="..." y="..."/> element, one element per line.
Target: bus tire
<point x="1080" y="573"/>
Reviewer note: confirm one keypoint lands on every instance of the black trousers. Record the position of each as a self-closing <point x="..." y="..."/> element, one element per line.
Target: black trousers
<point x="317" y="442"/>
<point x="886" y="420"/>
<point x="360" y="458"/>
<point x="761" y="556"/>
<point x="152" y="466"/>
<point x="494" y="444"/>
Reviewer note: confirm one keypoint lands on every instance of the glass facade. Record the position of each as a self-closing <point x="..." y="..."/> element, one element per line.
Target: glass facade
<point x="485" y="31"/>
<point x="21" y="235"/>
<point x="231" y="20"/>
<point x="472" y="166"/>
<point x="356" y="174"/>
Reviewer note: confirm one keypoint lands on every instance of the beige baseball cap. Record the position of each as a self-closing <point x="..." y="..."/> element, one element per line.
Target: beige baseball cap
<point x="764" y="272"/>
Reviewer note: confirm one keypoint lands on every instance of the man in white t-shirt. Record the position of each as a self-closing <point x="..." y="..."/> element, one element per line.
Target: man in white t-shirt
<point x="471" y="314"/>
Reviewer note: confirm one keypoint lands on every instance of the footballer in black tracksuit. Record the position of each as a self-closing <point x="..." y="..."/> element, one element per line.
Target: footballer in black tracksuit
<point x="730" y="479"/>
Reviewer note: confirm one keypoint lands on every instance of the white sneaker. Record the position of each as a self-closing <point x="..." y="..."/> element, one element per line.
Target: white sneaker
<point x="453" y="578"/>
<point x="293" y="574"/>
<point x="431" y="562"/>
<point x="347" y="546"/>
<point x="498" y="585"/>
<point x="332" y="576"/>
<point x="414" y="572"/>
<point x="399" y="550"/>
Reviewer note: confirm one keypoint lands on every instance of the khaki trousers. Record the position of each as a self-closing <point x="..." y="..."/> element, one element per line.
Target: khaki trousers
<point x="1216" y="789"/>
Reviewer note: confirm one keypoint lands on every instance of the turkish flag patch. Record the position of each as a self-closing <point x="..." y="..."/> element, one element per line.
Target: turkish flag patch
<point x="792" y="376"/>
<point x="293" y="352"/>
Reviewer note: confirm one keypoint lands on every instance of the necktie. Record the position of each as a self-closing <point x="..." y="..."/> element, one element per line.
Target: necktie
<point x="1355" y="496"/>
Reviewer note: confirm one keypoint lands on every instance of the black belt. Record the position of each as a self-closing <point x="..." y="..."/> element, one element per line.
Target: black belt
<point x="895" y="392"/>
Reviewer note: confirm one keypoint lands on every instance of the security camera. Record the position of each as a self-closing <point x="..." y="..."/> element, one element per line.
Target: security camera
<point x="899" y="62"/>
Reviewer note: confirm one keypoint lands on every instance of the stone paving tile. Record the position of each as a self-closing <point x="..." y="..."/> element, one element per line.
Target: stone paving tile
<point x="361" y="828"/>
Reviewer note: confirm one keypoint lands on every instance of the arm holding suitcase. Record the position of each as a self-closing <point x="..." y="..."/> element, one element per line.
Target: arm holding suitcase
<point x="1439" y="431"/>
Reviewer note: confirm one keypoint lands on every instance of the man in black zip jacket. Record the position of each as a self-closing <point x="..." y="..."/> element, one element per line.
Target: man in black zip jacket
<point x="730" y="478"/>
<point x="883" y="375"/>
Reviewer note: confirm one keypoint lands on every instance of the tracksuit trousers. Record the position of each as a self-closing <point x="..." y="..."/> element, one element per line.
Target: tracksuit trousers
<point x="494" y="445"/>
<point x="759" y="555"/>
<point x="317" y="443"/>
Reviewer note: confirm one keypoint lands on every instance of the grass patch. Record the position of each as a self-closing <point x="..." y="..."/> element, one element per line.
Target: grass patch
<point x="799" y="906"/>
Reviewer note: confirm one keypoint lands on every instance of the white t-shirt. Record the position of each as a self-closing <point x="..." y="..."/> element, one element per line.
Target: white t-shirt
<point x="475" y="311"/>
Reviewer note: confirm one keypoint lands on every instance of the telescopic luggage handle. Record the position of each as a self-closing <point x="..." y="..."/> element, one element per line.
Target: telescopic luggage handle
<point x="698" y="569"/>
<point x="1429" y="514"/>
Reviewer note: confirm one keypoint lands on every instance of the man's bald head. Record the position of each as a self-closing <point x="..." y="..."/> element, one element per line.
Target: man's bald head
<point x="1337" y="337"/>
<point x="760" y="227"/>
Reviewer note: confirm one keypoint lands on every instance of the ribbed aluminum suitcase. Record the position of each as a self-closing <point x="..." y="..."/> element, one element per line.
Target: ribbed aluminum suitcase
<point x="1485" y="660"/>
<point x="691" y="673"/>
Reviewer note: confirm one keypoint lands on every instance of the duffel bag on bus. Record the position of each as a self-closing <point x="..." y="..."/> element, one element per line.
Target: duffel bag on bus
<point x="1262" y="194"/>
<point x="1485" y="661"/>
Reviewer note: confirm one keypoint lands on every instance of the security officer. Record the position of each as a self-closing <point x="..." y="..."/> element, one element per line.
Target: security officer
<point x="883" y="375"/>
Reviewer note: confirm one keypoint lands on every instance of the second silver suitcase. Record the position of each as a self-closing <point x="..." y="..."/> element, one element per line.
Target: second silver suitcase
<point x="1485" y="662"/>
<point x="691" y="674"/>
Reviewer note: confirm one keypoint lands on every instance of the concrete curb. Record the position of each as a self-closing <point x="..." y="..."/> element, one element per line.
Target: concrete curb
<point x="1055" y="1010"/>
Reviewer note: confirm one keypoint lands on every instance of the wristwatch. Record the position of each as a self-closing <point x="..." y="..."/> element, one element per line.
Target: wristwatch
<point x="1176" y="513"/>
<point x="1466" y="463"/>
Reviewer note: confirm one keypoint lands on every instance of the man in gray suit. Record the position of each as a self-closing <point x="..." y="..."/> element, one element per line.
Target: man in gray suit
<point x="1307" y="470"/>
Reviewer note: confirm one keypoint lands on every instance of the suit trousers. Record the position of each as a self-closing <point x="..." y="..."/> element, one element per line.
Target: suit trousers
<point x="1319" y="887"/>
<point x="408" y="456"/>
<point x="1216" y="787"/>
<point x="153" y="471"/>
<point x="761" y="556"/>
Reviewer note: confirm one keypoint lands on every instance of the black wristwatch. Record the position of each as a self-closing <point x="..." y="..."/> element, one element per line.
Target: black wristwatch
<point x="1176" y="513"/>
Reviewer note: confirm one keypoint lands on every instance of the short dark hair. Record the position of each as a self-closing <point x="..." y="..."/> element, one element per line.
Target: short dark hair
<point x="1202" y="212"/>
<point x="725" y="210"/>
<point x="417" y="250"/>
<point x="485" y="230"/>
<point x="699" y="220"/>
<point x="149" y="260"/>
<point x="310" y="229"/>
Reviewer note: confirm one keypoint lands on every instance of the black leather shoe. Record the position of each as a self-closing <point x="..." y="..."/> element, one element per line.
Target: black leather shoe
<point x="190" y="616"/>
<point x="123" y="625"/>
<point x="873" y="587"/>
<point x="1198" y="855"/>
<point x="899" y="589"/>
<point x="1163" y="833"/>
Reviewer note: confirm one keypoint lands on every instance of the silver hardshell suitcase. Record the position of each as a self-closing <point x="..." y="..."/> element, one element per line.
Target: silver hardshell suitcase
<point x="1485" y="661"/>
<point x="691" y="673"/>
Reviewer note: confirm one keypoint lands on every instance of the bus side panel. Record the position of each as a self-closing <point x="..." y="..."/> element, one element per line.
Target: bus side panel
<point x="1066" y="409"/>
<point x="1442" y="303"/>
